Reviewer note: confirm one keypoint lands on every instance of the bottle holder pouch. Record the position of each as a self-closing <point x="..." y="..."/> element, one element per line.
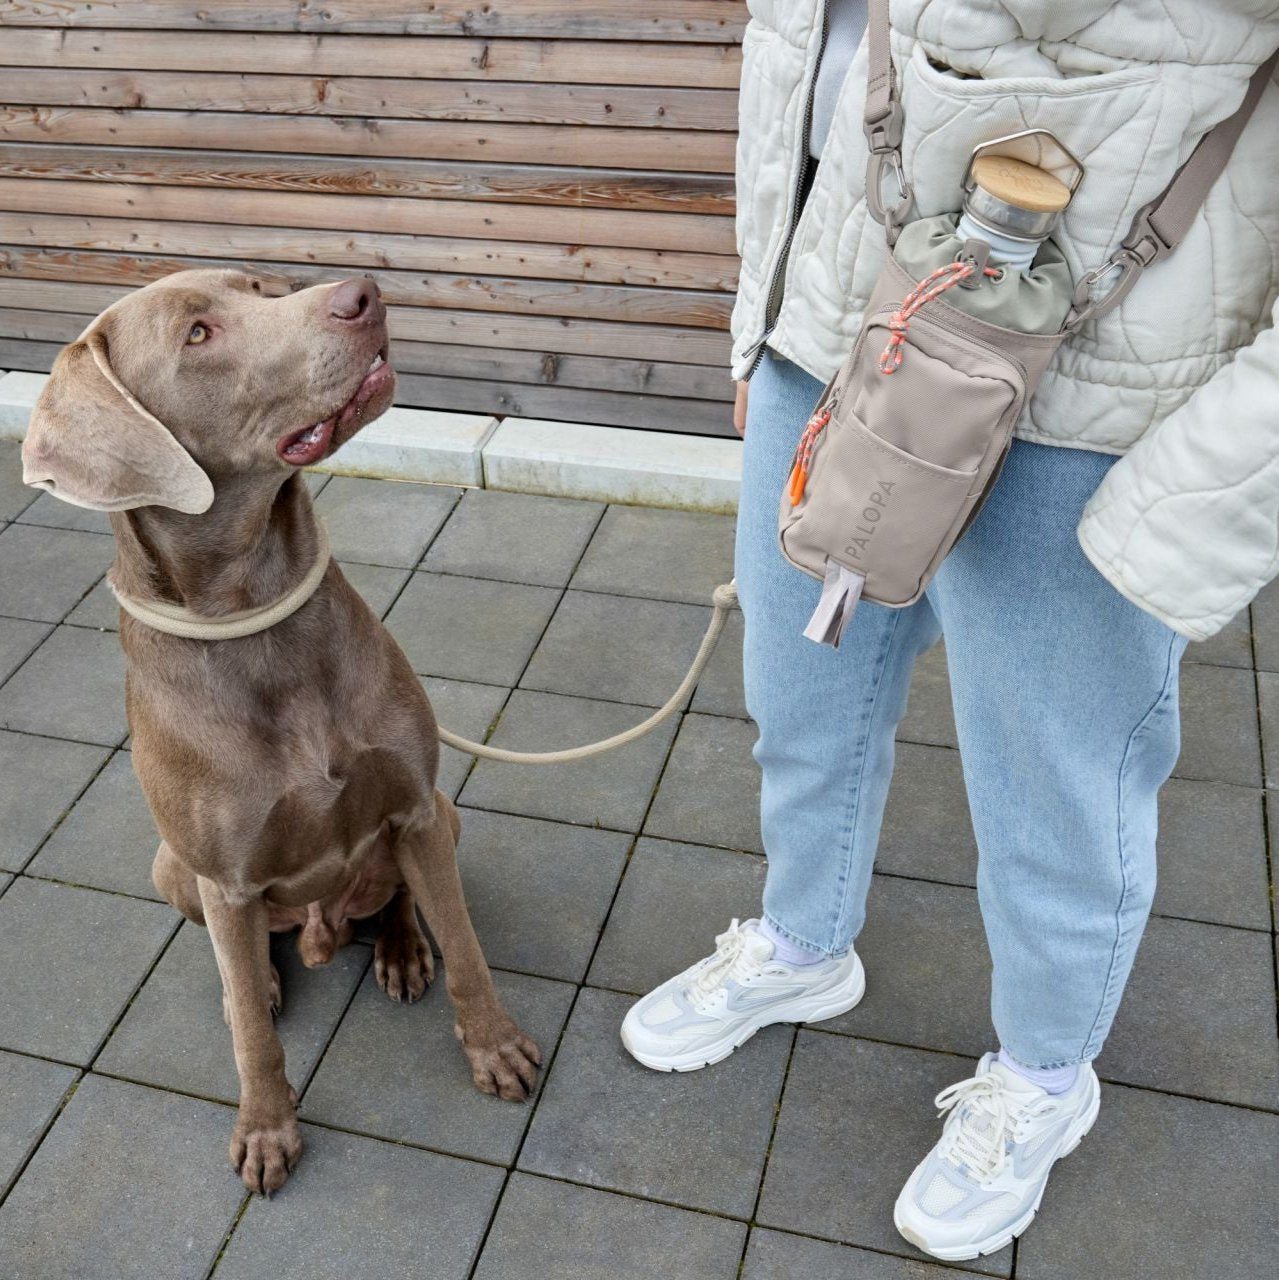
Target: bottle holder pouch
<point x="895" y="465"/>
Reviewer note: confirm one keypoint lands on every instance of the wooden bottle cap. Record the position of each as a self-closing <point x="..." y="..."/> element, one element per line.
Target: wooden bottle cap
<point x="1017" y="183"/>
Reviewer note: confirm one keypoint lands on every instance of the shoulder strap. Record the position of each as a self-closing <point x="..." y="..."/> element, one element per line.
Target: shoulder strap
<point x="882" y="122"/>
<point x="1157" y="228"/>
<point x="1160" y="226"/>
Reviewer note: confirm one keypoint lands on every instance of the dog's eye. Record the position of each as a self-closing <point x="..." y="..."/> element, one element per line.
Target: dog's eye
<point x="199" y="333"/>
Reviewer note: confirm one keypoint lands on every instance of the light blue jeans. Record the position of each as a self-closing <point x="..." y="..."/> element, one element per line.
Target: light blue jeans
<point x="1065" y="699"/>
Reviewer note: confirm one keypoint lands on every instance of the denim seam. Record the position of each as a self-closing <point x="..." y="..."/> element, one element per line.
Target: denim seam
<point x="803" y="942"/>
<point x="1109" y="997"/>
<point x="853" y="807"/>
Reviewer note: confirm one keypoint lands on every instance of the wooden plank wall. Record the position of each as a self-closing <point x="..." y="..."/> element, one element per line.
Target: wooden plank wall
<point x="541" y="188"/>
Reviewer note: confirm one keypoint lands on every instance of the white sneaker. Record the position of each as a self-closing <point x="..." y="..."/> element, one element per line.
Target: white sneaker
<point x="701" y="1015"/>
<point x="982" y="1183"/>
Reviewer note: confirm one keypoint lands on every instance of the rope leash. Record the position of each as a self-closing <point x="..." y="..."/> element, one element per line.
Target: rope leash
<point x="723" y="600"/>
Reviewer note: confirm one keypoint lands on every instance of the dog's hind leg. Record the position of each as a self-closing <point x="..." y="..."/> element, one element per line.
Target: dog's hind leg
<point x="402" y="959"/>
<point x="176" y="883"/>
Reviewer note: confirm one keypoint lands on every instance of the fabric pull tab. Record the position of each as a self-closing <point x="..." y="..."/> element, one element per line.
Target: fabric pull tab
<point x="840" y="594"/>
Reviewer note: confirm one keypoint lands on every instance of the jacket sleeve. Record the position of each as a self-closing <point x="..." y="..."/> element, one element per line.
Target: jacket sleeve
<point x="1186" y="525"/>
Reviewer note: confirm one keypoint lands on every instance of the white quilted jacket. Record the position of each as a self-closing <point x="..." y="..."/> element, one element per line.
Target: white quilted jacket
<point x="1183" y="377"/>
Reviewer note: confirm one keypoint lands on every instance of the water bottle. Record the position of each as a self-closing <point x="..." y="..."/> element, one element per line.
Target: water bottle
<point x="1011" y="205"/>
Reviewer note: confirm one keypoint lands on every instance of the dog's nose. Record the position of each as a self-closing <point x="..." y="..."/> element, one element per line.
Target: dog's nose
<point x="353" y="300"/>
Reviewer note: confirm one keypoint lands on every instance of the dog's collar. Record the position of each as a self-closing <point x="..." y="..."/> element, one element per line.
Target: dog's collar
<point x="176" y="620"/>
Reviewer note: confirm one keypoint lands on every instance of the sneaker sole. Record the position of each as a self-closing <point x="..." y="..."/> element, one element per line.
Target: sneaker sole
<point x="829" y="1004"/>
<point x="993" y="1244"/>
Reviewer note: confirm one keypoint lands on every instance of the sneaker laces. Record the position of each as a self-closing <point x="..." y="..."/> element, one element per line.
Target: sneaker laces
<point x="983" y="1123"/>
<point x="709" y="976"/>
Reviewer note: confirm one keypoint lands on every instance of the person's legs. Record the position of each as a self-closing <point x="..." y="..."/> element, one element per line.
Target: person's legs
<point x="1066" y="709"/>
<point x="826" y="723"/>
<point x="826" y="716"/>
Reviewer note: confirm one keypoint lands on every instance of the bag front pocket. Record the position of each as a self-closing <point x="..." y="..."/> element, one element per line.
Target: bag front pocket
<point x="876" y="509"/>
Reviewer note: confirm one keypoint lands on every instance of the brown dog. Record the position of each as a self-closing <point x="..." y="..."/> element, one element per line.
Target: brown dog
<point x="291" y="772"/>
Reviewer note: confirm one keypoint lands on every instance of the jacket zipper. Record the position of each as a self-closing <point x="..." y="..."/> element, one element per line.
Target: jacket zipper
<point x="776" y="284"/>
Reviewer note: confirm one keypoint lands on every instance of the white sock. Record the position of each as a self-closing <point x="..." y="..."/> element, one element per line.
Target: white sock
<point x="1051" y="1080"/>
<point x="786" y="951"/>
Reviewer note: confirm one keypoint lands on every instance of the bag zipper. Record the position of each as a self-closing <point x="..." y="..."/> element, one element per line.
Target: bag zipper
<point x="776" y="284"/>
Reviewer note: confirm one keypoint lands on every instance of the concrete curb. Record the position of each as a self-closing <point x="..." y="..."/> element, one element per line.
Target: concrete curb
<point x="526" y="455"/>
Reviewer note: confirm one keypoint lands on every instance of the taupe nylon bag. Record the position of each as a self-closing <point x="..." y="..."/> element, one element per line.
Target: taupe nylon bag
<point x="902" y="464"/>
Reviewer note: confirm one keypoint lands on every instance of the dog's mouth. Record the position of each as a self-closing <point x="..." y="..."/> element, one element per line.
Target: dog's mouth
<point x="308" y="446"/>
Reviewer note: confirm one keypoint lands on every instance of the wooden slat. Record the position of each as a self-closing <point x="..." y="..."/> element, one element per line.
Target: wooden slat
<point x="449" y="58"/>
<point x="402" y="288"/>
<point x="530" y="368"/>
<point x="715" y="21"/>
<point x="600" y="265"/>
<point x="419" y="179"/>
<point x="606" y="408"/>
<point x="545" y="225"/>
<point x="464" y="328"/>
<point x="33" y="357"/>
<point x="687" y="151"/>
<point x="618" y="106"/>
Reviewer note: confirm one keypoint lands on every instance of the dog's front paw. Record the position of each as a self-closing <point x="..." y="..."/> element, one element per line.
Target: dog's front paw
<point x="264" y="1149"/>
<point x="503" y="1059"/>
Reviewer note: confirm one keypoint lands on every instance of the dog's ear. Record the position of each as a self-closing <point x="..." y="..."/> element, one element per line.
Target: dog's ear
<point x="92" y="444"/>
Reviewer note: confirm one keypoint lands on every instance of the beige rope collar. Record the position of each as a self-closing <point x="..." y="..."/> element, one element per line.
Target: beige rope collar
<point x="177" y="620"/>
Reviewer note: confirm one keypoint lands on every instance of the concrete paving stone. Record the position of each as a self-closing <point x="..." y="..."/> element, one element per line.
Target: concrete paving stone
<point x="398" y="1072"/>
<point x="855" y="1119"/>
<point x="470" y="628"/>
<point x="382" y="521"/>
<point x="98" y="610"/>
<point x="610" y="790"/>
<point x="108" y="840"/>
<point x="44" y="572"/>
<point x="1265" y="627"/>
<point x="376" y="583"/>
<point x="929" y="717"/>
<point x="617" y="648"/>
<point x="72" y="958"/>
<point x="515" y="537"/>
<point x="546" y="1228"/>
<point x="1212" y="854"/>
<point x="418" y="444"/>
<point x="1230" y="647"/>
<point x="39" y="780"/>
<point x="694" y="1139"/>
<point x="521" y="874"/>
<point x="1163" y="1187"/>
<point x="664" y="555"/>
<point x="673" y="901"/>
<point x="173" y="1035"/>
<point x="918" y="992"/>
<point x="53" y="513"/>
<point x="315" y="481"/>
<point x="365" y="1210"/>
<point x="1219" y="741"/>
<point x="31" y="1090"/>
<point x="129" y="1184"/>
<point x="719" y="692"/>
<point x="71" y="687"/>
<point x="18" y="638"/>
<point x="1199" y="1016"/>
<point x="709" y="792"/>
<point x="15" y="496"/>
<point x="777" y="1255"/>
<point x="927" y="830"/>
<point x="1268" y="698"/>
<point x="468" y="709"/>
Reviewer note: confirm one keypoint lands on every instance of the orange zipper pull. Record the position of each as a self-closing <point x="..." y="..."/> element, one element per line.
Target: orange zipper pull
<point x="804" y="455"/>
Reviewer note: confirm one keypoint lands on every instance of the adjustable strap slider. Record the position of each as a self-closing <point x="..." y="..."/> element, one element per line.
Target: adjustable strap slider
<point x="884" y="133"/>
